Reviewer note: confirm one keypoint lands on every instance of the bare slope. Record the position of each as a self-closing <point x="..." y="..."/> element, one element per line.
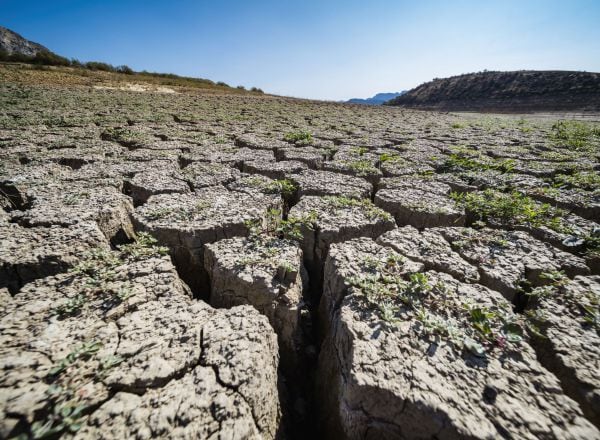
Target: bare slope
<point x="525" y="90"/>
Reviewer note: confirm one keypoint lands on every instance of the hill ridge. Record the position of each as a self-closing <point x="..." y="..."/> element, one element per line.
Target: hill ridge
<point x="523" y="90"/>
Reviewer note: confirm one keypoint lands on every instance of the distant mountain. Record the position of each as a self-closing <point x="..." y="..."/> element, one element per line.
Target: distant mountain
<point x="378" y="99"/>
<point x="12" y="43"/>
<point x="524" y="90"/>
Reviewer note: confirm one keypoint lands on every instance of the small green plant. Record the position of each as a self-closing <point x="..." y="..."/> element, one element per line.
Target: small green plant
<point x="83" y="351"/>
<point x="388" y="157"/>
<point x="458" y="162"/>
<point x="361" y="151"/>
<point x="66" y="417"/>
<point x="578" y="135"/>
<point x="144" y="246"/>
<point x="285" y="187"/>
<point x="591" y="313"/>
<point x="586" y="180"/>
<point x="123" y="136"/>
<point x="75" y="198"/>
<point x="108" y="362"/>
<point x="70" y="307"/>
<point x="511" y="208"/>
<point x="555" y="278"/>
<point x="158" y="214"/>
<point x="273" y="225"/>
<point x="362" y="167"/>
<point x="98" y="266"/>
<point x="299" y="137"/>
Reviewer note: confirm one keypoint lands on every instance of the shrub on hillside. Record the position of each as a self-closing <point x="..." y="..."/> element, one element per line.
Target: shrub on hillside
<point x="125" y="69"/>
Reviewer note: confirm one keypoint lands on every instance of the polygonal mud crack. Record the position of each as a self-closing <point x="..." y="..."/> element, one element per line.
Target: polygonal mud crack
<point x="330" y="219"/>
<point x="186" y="222"/>
<point x="385" y="371"/>
<point x="122" y="339"/>
<point x="266" y="273"/>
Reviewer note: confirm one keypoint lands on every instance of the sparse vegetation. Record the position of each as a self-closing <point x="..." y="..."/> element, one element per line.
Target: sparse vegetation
<point x="575" y="134"/>
<point x="362" y="168"/>
<point x="511" y="209"/>
<point x="458" y="162"/>
<point x="275" y="226"/>
<point x="65" y="408"/>
<point x="96" y="273"/>
<point x="398" y="297"/>
<point x="285" y="187"/>
<point x="299" y="137"/>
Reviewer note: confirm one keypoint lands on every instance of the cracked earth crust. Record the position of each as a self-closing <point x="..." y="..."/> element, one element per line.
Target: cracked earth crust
<point x="220" y="266"/>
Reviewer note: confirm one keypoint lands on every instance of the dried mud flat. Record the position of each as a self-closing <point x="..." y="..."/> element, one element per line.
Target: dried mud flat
<point x="242" y="266"/>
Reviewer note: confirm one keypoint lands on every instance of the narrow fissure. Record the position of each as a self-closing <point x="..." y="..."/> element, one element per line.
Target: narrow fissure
<point x="296" y="382"/>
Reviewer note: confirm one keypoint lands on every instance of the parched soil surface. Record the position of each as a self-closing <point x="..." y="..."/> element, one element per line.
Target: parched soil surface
<point x="195" y="265"/>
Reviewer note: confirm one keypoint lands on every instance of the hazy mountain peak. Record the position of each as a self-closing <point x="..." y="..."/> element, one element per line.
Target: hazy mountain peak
<point x="378" y="99"/>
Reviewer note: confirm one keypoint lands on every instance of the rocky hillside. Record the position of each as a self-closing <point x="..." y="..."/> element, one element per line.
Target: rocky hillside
<point x="215" y="265"/>
<point x="519" y="91"/>
<point x="14" y="44"/>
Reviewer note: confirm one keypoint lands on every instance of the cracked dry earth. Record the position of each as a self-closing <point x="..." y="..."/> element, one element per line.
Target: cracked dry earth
<point x="243" y="266"/>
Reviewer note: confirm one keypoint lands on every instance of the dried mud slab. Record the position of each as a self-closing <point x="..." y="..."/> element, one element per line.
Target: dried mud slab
<point x="255" y="142"/>
<point x="356" y="161"/>
<point x="257" y="185"/>
<point x="266" y="273"/>
<point x="428" y="183"/>
<point x="420" y="208"/>
<point x="18" y="182"/>
<point x="312" y="157"/>
<point x="66" y="204"/>
<point x="397" y="166"/>
<point x="200" y="174"/>
<point x="430" y="248"/>
<point x="274" y="170"/>
<point x="331" y="219"/>
<point x="385" y="372"/>
<point x="27" y="254"/>
<point x="583" y="203"/>
<point x="119" y="349"/>
<point x="509" y="261"/>
<point x="186" y="222"/>
<point x="568" y="339"/>
<point x="146" y="184"/>
<point x="226" y="154"/>
<point x="327" y="183"/>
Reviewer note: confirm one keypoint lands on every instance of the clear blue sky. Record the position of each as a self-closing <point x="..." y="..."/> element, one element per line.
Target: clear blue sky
<point x="318" y="49"/>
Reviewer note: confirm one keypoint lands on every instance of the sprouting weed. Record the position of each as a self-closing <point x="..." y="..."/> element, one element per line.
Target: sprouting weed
<point x="83" y="351"/>
<point x="397" y="296"/>
<point x="511" y="208"/>
<point x="299" y="137"/>
<point x="144" y="246"/>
